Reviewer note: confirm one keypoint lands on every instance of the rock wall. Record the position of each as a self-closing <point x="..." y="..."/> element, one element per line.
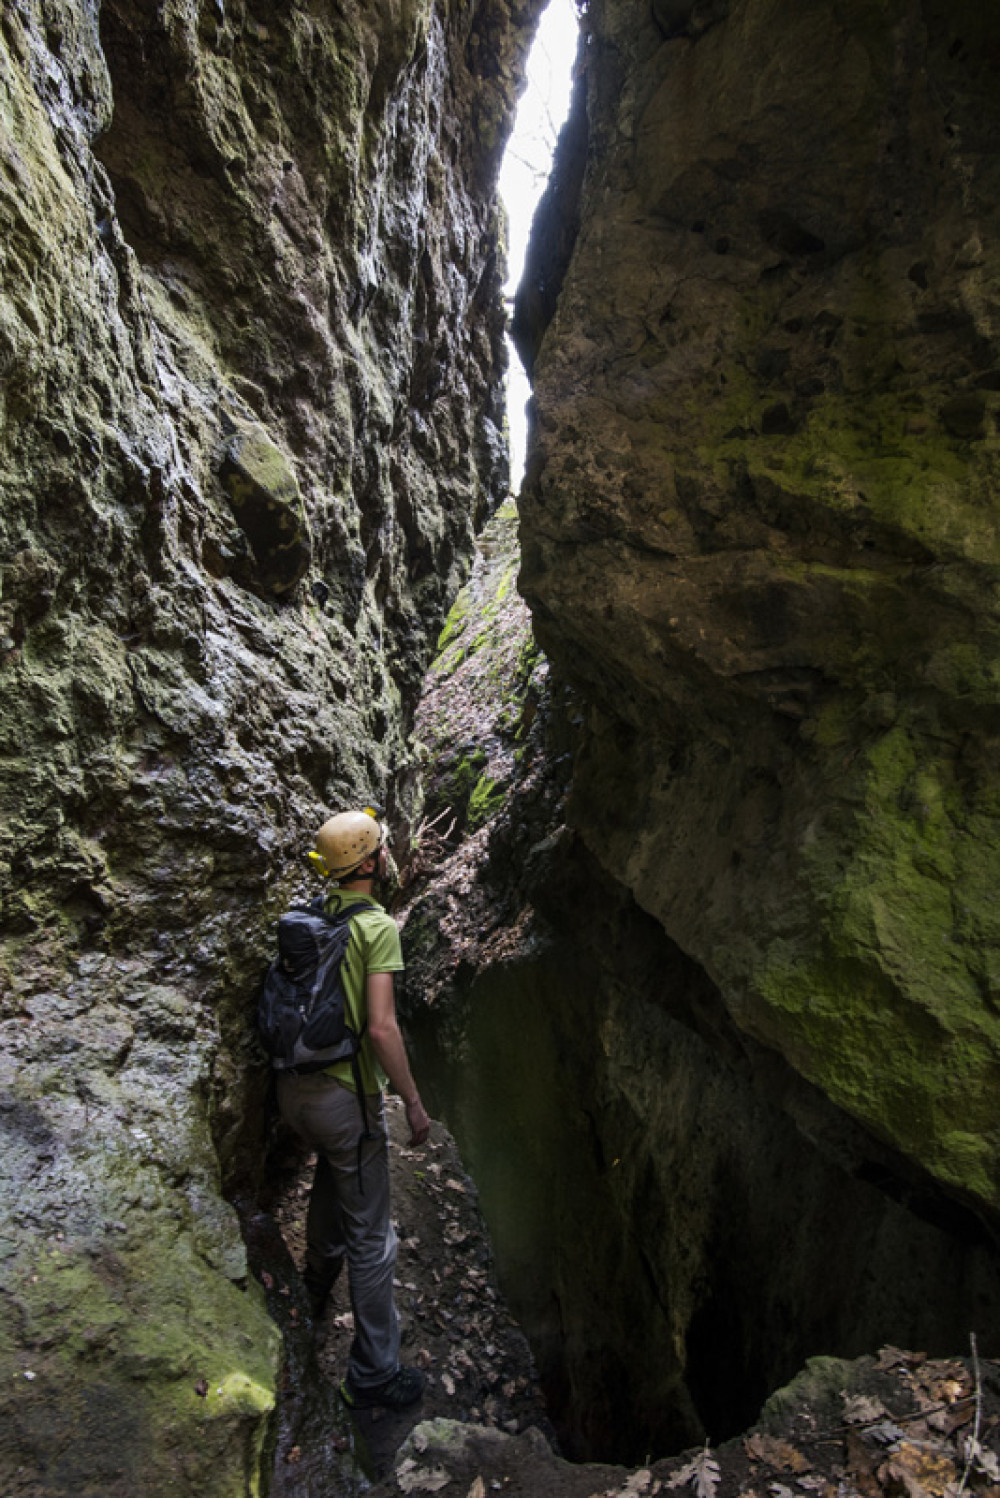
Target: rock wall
<point x="710" y="1001"/>
<point x="680" y="1219"/>
<point x="760" y="534"/>
<point x="250" y="359"/>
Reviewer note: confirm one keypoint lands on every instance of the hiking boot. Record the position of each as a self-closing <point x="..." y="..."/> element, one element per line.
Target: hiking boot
<point x="398" y="1392"/>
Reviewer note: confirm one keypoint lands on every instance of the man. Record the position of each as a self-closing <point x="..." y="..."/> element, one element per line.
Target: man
<point x="349" y="1204"/>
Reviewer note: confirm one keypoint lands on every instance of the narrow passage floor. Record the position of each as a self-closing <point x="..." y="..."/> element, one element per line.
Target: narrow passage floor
<point x="455" y="1324"/>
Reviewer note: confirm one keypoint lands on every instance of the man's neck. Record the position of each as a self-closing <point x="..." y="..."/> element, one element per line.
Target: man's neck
<point x="357" y="886"/>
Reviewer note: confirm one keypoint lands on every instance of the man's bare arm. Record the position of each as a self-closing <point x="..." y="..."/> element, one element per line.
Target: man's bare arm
<point x="387" y="1043"/>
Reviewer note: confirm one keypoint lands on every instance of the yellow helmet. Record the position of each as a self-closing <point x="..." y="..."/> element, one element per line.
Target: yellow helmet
<point x="345" y="841"/>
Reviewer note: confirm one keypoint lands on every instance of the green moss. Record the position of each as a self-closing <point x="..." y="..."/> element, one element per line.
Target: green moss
<point x="884" y="1008"/>
<point x="504" y="585"/>
<point x="486" y="798"/>
<point x="460" y="777"/>
<point x="454" y="627"/>
<point x="926" y="1090"/>
<point x="858" y="454"/>
<point x="190" y="1358"/>
<point x="834" y="723"/>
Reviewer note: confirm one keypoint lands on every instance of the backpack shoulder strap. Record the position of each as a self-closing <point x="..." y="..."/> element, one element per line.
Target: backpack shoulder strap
<point x="318" y="907"/>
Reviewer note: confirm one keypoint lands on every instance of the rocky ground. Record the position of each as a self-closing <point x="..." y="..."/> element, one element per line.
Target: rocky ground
<point x="455" y="1323"/>
<point x="896" y="1425"/>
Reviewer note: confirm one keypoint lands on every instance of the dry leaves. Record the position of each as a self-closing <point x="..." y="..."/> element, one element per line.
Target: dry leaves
<point x="701" y="1472"/>
<point x="863" y="1409"/>
<point x="637" y="1485"/>
<point x="776" y="1453"/>
<point x="919" y="1469"/>
<point x="416" y="1479"/>
<point x="982" y="1458"/>
<point x="895" y="1357"/>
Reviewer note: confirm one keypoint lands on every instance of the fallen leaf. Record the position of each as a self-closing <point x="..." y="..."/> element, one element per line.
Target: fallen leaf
<point x="948" y="1421"/>
<point x="449" y="1383"/>
<point x="478" y="1489"/>
<point x="293" y="1455"/>
<point x="943" y="1382"/>
<point x="919" y="1470"/>
<point x="985" y="1460"/>
<point x="889" y="1433"/>
<point x="780" y="1490"/>
<point x="702" y="1472"/>
<point x="637" y="1483"/>
<point x="267" y="1280"/>
<point x="201" y="1388"/>
<point x="414" y="1479"/>
<point x="862" y="1409"/>
<point x="776" y="1452"/>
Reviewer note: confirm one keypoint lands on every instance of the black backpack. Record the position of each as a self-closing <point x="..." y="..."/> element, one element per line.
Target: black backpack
<point x="302" y="1011"/>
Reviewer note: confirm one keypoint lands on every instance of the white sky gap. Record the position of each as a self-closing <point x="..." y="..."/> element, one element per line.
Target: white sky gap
<point x="526" y="166"/>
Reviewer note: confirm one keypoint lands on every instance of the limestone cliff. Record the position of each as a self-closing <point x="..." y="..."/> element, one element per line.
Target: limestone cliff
<point x="250" y="362"/>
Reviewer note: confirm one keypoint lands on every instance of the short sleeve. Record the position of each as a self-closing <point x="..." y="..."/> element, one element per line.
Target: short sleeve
<point x="385" y="952"/>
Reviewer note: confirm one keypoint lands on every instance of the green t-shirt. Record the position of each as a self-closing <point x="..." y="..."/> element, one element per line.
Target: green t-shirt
<point x="374" y="947"/>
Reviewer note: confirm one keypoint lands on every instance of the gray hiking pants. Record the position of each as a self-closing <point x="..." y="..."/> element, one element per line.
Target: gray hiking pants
<point x="349" y="1218"/>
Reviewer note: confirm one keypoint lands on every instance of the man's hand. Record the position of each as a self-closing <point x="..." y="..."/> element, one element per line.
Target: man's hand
<point x="420" y="1124"/>
<point x="387" y="1043"/>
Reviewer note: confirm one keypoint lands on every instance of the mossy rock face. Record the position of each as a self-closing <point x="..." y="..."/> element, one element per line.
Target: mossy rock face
<point x="138" y="1369"/>
<point x="264" y="494"/>
<point x="216" y="226"/>
<point x="138" y="1349"/>
<point x="760" y="534"/>
<point x="482" y="690"/>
